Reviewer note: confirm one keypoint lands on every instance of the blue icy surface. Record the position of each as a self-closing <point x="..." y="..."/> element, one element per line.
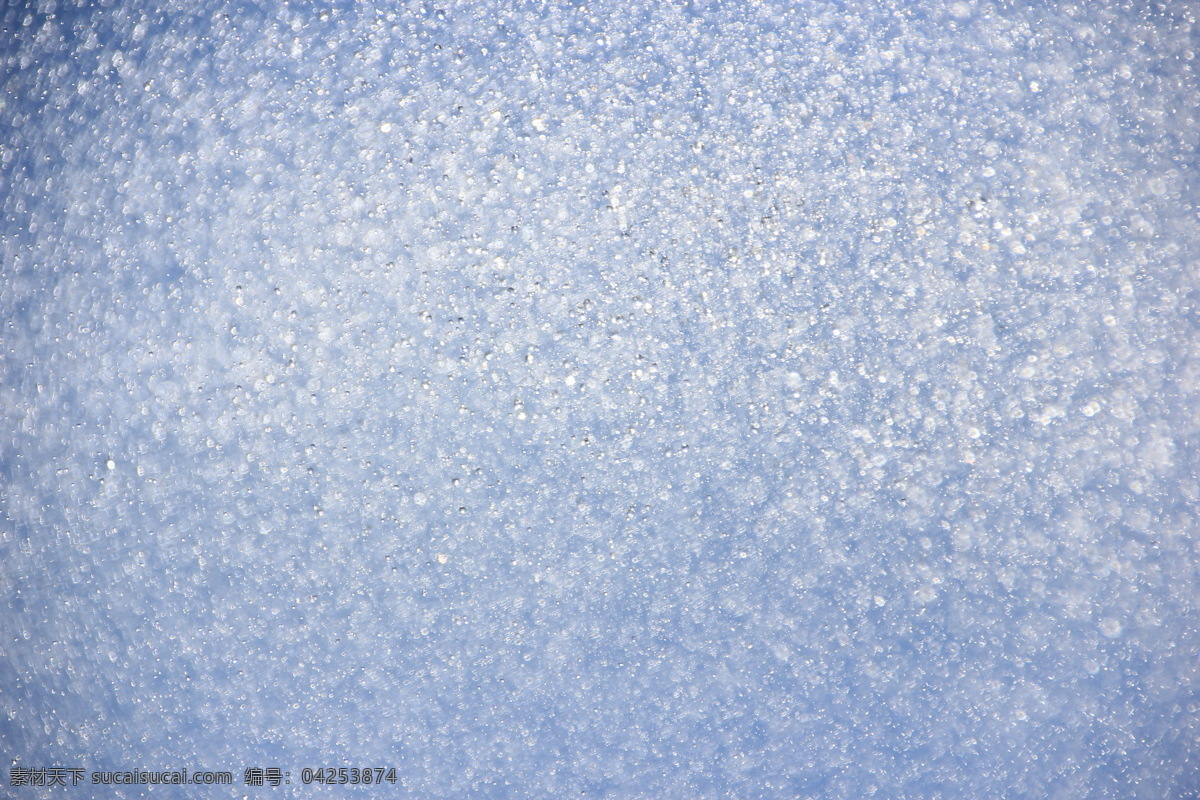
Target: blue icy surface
<point x="634" y="400"/>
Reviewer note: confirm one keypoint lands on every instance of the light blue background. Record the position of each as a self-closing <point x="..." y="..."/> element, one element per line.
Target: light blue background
<point x="714" y="400"/>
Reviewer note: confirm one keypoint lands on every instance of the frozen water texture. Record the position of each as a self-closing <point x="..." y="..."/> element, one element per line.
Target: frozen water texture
<point x="723" y="400"/>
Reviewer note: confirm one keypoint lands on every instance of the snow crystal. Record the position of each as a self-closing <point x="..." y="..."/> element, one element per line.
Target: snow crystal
<point x="635" y="400"/>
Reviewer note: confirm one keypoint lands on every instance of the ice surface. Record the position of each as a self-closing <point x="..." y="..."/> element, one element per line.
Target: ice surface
<point x="632" y="400"/>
